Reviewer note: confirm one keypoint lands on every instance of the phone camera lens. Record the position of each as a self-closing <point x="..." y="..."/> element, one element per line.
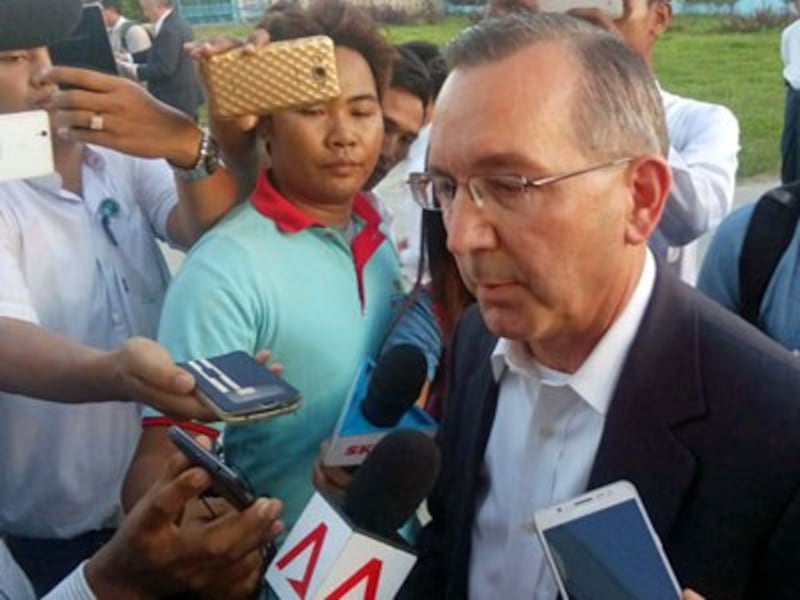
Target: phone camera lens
<point x="319" y="73"/>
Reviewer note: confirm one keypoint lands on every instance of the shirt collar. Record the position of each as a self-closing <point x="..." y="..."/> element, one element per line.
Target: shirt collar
<point x="596" y="379"/>
<point x="160" y="22"/>
<point x="272" y="204"/>
<point x="118" y="25"/>
<point x="53" y="183"/>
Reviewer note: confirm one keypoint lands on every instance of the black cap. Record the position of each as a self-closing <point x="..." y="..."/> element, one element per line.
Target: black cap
<point x="32" y="23"/>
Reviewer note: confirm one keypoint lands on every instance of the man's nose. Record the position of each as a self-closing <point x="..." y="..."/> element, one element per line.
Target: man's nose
<point x="467" y="227"/>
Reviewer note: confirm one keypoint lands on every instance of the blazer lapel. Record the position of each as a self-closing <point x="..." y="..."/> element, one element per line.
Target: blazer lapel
<point x="658" y="390"/>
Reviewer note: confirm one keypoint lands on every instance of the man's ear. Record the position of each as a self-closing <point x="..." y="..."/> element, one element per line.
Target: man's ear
<point x="662" y="17"/>
<point x="650" y="181"/>
<point x="265" y="130"/>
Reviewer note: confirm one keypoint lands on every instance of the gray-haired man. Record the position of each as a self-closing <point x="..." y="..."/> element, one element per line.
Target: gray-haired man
<point x="586" y="361"/>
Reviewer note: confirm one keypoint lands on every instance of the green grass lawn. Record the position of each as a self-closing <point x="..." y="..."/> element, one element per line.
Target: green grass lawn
<point x="739" y="70"/>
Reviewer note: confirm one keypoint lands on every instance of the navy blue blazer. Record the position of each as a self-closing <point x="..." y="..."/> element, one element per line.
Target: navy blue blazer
<point x="168" y="71"/>
<point x="705" y="421"/>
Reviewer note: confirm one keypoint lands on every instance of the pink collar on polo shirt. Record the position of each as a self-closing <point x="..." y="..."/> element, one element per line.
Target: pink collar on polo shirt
<point x="272" y="204"/>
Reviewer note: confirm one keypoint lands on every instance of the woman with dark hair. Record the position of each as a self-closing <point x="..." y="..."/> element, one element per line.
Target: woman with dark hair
<point x="304" y="267"/>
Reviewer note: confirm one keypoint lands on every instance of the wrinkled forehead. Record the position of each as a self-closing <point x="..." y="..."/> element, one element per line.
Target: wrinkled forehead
<point x="519" y="106"/>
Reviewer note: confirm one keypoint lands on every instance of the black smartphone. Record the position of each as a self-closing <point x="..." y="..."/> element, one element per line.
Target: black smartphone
<point x="227" y="483"/>
<point x="88" y="47"/>
<point x="237" y="388"/>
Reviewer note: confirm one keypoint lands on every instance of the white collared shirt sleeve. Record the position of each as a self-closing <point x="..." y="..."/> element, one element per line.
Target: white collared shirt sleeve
<point x="15" y="299"/>
<point x="703" y="155"/>
<point x="13" y="582"/>
<point x="156" y="193"/>
<point x="73" y="587"/>
<point x="137" y="39"/>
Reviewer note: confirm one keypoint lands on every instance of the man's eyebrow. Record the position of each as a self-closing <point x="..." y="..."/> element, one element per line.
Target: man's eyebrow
<point x="502" y="161"/>
<point x="363" y="98"/>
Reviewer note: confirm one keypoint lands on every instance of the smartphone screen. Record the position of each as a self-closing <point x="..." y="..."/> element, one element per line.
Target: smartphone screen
<point x="88" y="46"/>
<point x="610" y="555"/>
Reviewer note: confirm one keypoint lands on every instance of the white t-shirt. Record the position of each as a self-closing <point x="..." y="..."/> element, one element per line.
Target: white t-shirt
<point x="790" y="54"/>
<point x="703" y="155"/>
<point x="61" y="268"/>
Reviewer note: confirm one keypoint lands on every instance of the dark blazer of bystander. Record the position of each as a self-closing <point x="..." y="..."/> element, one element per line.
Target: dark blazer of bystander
<point x="169" y="72"/>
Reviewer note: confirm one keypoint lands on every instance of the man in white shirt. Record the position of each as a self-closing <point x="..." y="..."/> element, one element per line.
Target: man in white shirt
<point x="790" y="138"/>
<point x="586" y="361"/>
<point x="704" y="140"/>
<point x="129" y="41"/>
<point x="81" y="274"/>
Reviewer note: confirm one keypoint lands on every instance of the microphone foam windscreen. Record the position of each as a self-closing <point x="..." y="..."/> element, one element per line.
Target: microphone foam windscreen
<point x="395" y="384"/>
<point x="392" y="482"/>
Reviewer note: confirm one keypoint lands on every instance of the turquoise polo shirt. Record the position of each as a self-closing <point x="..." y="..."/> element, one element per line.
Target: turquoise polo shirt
<point x="270" y="277"/>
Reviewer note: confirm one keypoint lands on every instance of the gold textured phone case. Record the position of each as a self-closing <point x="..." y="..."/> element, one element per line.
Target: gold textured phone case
<point x="280" y="75"/>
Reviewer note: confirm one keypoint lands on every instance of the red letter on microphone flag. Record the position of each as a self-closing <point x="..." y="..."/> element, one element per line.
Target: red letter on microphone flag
<point x="317" y="538"/>
<point x="371" y="571"/>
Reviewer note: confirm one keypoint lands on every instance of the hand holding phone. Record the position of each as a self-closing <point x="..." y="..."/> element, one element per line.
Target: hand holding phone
<point x="602" y="546"/>
<point x="227" y="483"/>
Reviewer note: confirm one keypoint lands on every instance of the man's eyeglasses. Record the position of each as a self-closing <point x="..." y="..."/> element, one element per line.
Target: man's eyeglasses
<point x="434" y="191"/>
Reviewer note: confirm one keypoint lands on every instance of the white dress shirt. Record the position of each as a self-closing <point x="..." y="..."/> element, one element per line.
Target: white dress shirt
<point x="62" y="465"/>
<point x="541" y="448"/>
<point x="790" y="54"/>
<point x="703" y="151"/>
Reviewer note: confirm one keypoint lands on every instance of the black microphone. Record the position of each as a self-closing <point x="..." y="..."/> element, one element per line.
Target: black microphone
<point x="395" y="385"/>
<point x="391" y="483"/>
<point x="358" y="538"/>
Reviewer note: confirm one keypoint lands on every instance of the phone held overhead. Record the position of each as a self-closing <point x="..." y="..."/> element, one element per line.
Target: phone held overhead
<point x="613" y="8"/>
<point x="277" y="76"/>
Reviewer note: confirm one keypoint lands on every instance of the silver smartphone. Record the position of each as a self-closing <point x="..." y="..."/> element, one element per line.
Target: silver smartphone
<point x="613" y="8"/>
<point x="602" y="546"/>
<point x="25" y="146"/>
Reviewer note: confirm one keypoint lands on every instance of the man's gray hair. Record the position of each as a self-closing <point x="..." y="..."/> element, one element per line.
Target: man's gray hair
<point x="617" y="110"/>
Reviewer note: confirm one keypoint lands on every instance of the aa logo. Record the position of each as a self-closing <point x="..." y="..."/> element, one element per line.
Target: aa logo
<point x="369" y="574"/>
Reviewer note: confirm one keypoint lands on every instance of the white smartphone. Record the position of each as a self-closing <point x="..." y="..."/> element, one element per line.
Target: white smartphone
<point x="613" y="8"/>
<point x="25" y="146"/>
<point x="601" y="546"/>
